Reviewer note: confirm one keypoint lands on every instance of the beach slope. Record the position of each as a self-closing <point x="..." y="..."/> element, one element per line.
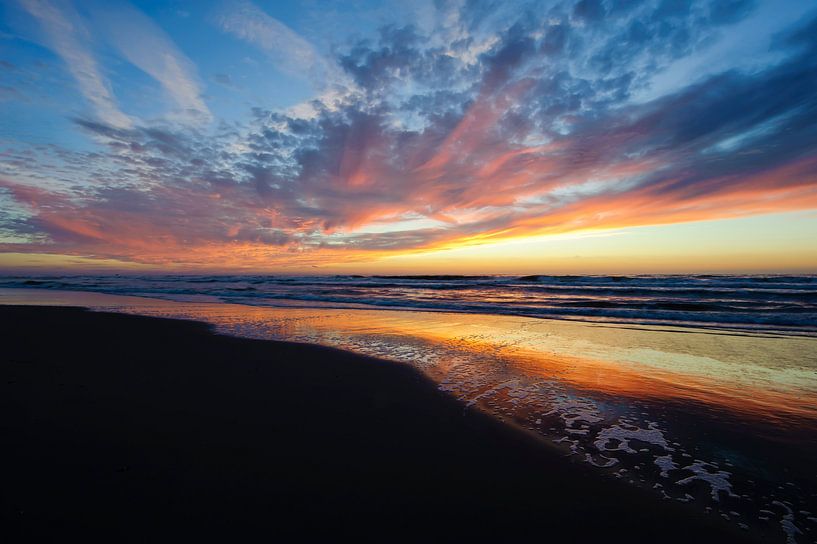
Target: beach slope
<point x="142" y="429"/>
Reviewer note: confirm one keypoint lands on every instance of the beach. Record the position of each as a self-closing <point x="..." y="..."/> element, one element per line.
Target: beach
<point x="364" y="410"/>
<point x="131" y="429"/>
<point x="383" y="271"/>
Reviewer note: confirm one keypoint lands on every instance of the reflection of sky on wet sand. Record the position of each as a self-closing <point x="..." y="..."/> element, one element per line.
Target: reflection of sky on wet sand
<point x="618" y="397"/>
<point x="749" y="373"/>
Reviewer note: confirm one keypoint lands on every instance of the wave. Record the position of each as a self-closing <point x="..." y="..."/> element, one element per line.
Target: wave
<point x="771" y="302"/>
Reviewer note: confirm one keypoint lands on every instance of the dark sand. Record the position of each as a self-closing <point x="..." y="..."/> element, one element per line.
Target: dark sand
<point x="131" y="428"/>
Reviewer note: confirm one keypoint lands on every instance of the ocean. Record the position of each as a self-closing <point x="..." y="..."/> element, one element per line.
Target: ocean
<point x="699" y="389"/>
<point x="786" y="303"/>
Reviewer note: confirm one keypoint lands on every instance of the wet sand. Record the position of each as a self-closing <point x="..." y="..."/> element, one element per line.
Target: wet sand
<point x="133" y="428"/>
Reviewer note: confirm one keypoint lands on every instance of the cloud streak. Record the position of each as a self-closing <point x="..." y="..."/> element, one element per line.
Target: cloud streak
<point x="147" y="46"/>
<point x="287" y="50"/>
<point x="137" y="38"/>
<point x="68" y="37"/>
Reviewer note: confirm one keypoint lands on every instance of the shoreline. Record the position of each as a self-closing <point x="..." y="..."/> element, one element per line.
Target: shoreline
<point x="690" y="327"/>
<point x="456" y="474"/>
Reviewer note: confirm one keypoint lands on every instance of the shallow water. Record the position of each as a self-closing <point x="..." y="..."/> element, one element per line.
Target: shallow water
<point x="754" y="302"/>
<point x="726" y="420"/>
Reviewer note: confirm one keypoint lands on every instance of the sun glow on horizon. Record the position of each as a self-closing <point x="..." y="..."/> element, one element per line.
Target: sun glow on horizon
<point x="779" y="243"/>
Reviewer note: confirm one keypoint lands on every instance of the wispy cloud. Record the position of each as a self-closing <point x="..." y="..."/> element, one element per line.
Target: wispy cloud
<point x="67" y="35"/>
<point x="287" y="50"/>
<point x="148" y="47"/>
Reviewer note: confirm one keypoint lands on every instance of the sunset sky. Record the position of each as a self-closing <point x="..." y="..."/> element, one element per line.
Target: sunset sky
<point x="598" y="136"/>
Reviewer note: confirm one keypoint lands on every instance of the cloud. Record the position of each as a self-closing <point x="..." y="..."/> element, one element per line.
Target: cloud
<point x="69" y="38"/>
<point x="150" y="49"/>
<point x="287" y="50"/>
<point x="525" y="124"/>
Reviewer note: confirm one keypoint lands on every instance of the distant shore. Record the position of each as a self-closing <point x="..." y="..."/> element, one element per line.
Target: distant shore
<point x="133" y="428"/>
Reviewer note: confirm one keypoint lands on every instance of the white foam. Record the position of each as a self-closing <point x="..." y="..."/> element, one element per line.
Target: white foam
<point x="651" y="435"/>
<point x="787" y="523"/>
<point x="665" y="463"/>
<point x="610" y="461"/>
<point x="575" y="410"/>
<point x="718" y="480"/>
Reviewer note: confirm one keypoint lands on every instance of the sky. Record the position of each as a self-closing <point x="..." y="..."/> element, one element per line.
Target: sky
<point x="589" y="136"/>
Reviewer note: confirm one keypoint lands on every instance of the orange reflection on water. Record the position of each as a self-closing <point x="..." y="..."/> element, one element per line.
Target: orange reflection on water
<point x="767" y="377"/>
<point x="762" y="376"/>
